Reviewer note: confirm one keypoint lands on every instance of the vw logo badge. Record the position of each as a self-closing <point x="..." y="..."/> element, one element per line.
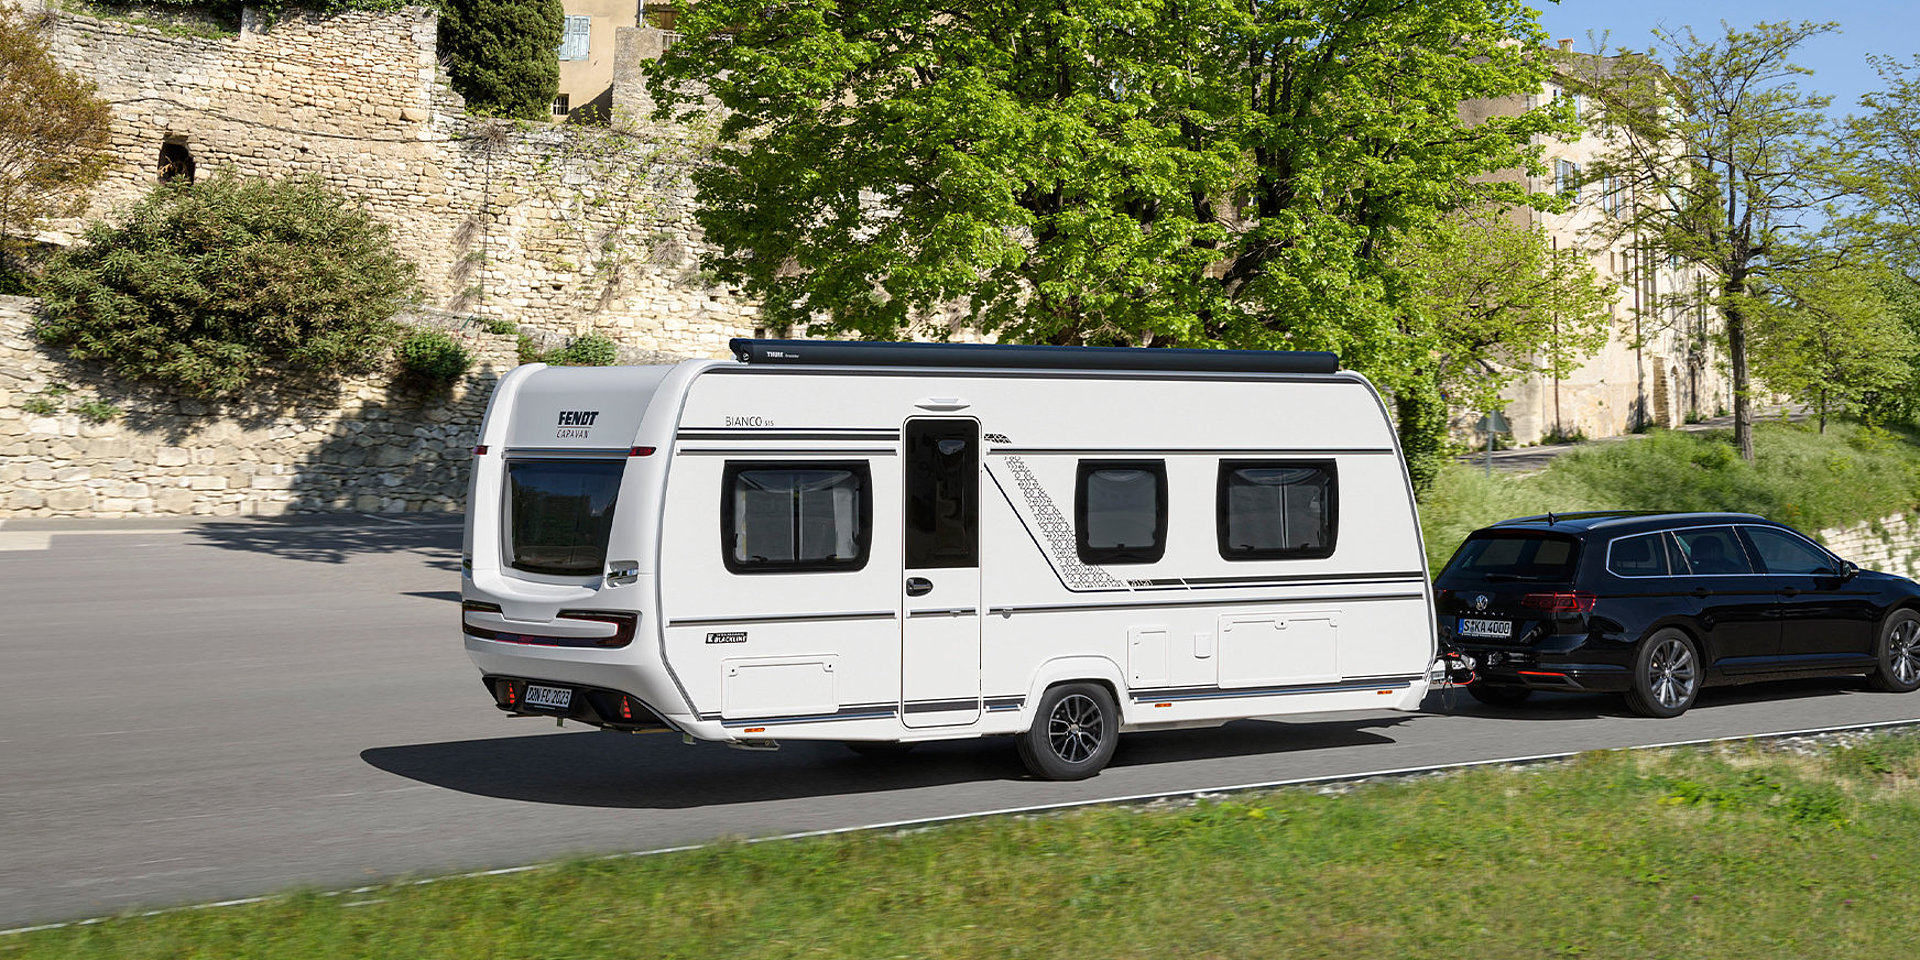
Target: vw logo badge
<point x="1480" y="602"/>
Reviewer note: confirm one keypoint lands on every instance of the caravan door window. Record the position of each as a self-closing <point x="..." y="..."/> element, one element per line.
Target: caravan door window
<point x="1277" y="509"/>
<point x="795" y="517"/>
<point x="559" y="513"/>
<point x="1120" y="511"/>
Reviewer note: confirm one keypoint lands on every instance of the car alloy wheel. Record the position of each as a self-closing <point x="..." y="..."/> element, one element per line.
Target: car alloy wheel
<point x="1666" y="675"/>
<point x="1899" y="654"/>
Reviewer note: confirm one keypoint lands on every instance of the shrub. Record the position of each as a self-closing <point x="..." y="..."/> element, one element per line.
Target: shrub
<point x="500" y="55"/>
<point x="591" y="350"/>
<point x="207" y="286"/>
<point x="434" y="356"/>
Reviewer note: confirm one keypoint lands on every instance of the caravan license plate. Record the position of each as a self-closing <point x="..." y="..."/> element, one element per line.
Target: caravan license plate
<point x="558" y="698"/>
<point x="1499" y="629"/>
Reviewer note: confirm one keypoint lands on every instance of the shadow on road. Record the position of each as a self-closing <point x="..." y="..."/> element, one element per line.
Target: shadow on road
<point x="339" y="539"/>
<point x="595" y="769"/>
<point x="1544" y="705"/>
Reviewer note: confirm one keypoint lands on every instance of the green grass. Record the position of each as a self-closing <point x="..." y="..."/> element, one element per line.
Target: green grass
<point x="1799" y="477"/>
<point x="1730" y="852"/>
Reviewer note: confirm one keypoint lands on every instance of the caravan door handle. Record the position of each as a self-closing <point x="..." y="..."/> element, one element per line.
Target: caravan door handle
<point x="919" y="586"/>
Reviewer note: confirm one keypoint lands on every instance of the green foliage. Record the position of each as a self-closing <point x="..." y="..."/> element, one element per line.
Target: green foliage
<point x="97" y="411"/>
<point x="591" y="350"/>
<point x="53" y="401"/>
<point x="40" y="406"/>
<point x="433" y="355"/>
<point x="1800" y="476"/>
<point x="1199" y="173"/>
<point x="500" y="55"/>
<point x="53" y="136"/>
<point x="1827" y="338"/>
<point x="1723" y="157"/>
<point x="206" y="286"/>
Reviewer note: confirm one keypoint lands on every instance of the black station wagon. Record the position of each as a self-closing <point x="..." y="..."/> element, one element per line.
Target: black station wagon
<point x="1657" y="605"/>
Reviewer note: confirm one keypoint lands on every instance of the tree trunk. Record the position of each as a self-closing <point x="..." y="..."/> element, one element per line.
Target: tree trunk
<point x="1737" y="357"/>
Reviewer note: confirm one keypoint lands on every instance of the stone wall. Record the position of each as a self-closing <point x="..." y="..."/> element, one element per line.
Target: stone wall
<point x="567" y="228"/>
<point x="369" y="443"/>
<point x="1890" y="544"/>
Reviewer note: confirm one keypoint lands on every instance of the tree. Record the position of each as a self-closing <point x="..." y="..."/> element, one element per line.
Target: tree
<point x="1139" y="172"/>
<point x="500" y="55"/>
<point x="53" y="134"/>
<point x="1830" y="339"/>
<point x="1503" y="305"/>
<point x="1722" y="159"/>
<point x="207" y="286"/>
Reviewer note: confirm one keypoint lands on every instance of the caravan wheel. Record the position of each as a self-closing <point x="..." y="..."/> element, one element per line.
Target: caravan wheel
<point x="1073" y="734"/>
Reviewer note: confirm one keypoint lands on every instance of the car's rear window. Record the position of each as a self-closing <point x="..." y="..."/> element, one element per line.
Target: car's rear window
<point x="559" y="514"/>
<point x="1528" y="556"/>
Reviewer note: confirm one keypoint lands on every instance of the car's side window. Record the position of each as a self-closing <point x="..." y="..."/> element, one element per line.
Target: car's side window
<point x="1782" y="552"/>
<point x="1641" y="556"/>
<point x="1713" y="551"/>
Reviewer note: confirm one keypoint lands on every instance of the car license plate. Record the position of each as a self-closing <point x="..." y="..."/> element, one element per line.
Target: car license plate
<point x="1499" y="629"/>
<point x="558" y="698"/>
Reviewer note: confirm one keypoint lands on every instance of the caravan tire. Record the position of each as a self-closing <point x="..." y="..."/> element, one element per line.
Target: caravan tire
<point x="1073" y="734"/>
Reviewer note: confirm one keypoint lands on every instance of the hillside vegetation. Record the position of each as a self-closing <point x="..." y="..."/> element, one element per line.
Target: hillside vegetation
<point x="1799" y="476"/>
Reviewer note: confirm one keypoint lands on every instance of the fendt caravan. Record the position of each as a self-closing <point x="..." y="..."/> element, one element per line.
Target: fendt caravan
<point x="884" y="543"/>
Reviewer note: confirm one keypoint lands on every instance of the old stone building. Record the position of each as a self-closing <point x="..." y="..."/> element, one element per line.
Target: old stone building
<point x="1662" y="364"/>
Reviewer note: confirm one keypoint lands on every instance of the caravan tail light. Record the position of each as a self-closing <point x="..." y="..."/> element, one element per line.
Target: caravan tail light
<point x="1561" y="601"/>
<point x="640" y="452"/>
<point x="480" y="451"/>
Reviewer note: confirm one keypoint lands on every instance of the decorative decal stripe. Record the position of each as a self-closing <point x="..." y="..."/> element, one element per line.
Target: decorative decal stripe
<point x="763" y="433"/>
<point x="941" y="706"/>
<point x="1188" y="452"/>
<point x="1304" y="579"/>
<point x="784" y="451"/>
<point x="1221" y="693"/>
<point x="780" y="618"/>
<point x="1213" y="603"/>
<point x="1058" y="532"/>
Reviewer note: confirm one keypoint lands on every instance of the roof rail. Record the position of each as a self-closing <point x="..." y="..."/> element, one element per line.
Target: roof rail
<point x="885" y="354"/>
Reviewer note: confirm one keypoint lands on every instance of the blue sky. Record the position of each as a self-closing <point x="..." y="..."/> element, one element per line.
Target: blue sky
<point x="1838" y="60"/>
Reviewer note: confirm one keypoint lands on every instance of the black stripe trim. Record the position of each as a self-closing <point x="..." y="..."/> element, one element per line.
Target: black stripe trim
<point x="1305" y="578"/>
<point x="762" y="433"/>
<point x="1185" y="451"/>
<point x="1222" y="693"/>
<point x="858" y="711"/>
<point x="949" y="613"/>
<point x="784" y="452"/>
<point x="941" y="706"/>
<point x="779" y="618"/>
<point x="1221" y="602"/>
<point x="744" y="369"/>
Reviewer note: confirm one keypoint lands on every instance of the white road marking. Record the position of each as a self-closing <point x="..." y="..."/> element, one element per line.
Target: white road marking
<point x="43" y="539"/>
<point x="1015" y="811"/>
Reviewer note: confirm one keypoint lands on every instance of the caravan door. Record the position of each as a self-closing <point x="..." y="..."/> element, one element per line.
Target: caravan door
<point x="940" y="622"/>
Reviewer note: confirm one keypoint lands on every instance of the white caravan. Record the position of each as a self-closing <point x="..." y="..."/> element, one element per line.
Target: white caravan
<point x="885" y="543"/>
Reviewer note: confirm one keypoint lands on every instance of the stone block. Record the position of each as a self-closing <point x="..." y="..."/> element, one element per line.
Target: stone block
<point x="207" y="483"/>
<point x="70" y="499"/>
<point x="367" y="503"/>
<point x="175" y="500"/>
<point x="23" y="498"/>
<point x="72" y="474"/>
<point x="36" y="470"/>
<point x="173" y="457"/>
<point x="271" y="483"/>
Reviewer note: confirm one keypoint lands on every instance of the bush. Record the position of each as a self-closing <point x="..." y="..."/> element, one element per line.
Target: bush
<point x="500" y="55"/>
<point x="434" y="356"/>
<point x="591" y="350"/>
<point x="209" y="285"/>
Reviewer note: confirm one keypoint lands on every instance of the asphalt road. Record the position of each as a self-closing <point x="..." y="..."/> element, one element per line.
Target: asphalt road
<point x="195" y="712"/>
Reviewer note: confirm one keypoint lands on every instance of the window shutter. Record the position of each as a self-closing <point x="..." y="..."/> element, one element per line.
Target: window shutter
<point x="573" y="41"/>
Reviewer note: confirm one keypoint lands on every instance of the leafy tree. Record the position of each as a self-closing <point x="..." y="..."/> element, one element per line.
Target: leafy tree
<point x="1139" y="172"/>
<point x="1830" y="339"/>
<point x="206" y="286"/>
<point x="1504" y="305"/>
<point x="1722" y="159"/>
<point x="53" y="134"/>
<point x="500" y="55"/>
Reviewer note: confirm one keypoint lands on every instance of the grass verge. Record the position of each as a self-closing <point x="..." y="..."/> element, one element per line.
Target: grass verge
<point x="1799" y="476"/>
<point x="1733" y="851"/>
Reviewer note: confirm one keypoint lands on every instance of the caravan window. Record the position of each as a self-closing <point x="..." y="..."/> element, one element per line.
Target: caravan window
<point x="1120" y="511"/>
<point x="559" y="513"/>
<point x="793" y="517"/>
<point x="1277" y="509"/>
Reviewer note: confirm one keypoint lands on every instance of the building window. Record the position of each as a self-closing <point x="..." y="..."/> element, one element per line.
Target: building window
<point x="560" y="105"/>
<point x="573" y="40"/>
<point x="795" y="517"/>
<point x="1277" y="509"/>
<point x="1120" y="511"/>
<point x="1566" y="178"/>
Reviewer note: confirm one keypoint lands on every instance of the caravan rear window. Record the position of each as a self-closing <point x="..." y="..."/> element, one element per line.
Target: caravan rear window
<point x="559" y="513"/>
<point x="795" y="517"/>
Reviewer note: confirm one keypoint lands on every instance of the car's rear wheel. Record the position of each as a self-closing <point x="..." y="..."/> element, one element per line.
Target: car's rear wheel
<point x="1899" y="654"/>
<point x="1666" y="675"/>
<point x="1495" y="695"/>
<point x="1074" y="732"/>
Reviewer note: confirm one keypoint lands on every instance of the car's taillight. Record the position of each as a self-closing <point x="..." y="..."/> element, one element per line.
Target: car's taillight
<point x="1560" y="601"/>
